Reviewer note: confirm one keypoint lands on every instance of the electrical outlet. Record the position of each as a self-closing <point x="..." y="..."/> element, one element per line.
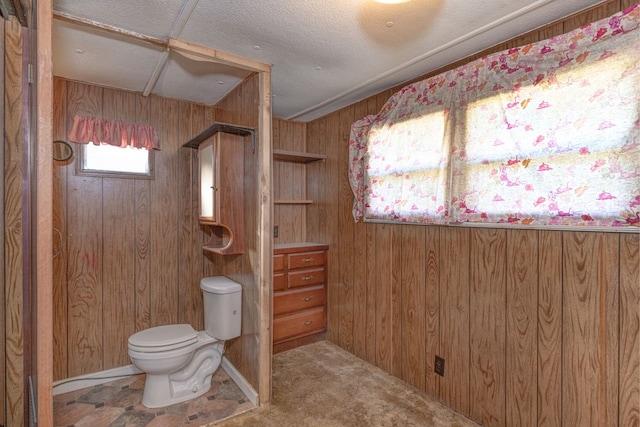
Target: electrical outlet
<point x="275" y="231"/>
<point x="438" y="367"/>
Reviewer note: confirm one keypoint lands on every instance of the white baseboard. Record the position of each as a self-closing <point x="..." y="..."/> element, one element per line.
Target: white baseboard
<point x="240" y="381"/>
<point x="90" y="380"/>
<point x="102" y="377"/>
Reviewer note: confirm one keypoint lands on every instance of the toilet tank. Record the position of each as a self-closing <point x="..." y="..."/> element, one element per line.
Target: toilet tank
<point x="222" y="307"/>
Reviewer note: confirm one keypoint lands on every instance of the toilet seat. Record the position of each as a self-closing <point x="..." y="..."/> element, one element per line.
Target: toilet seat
<point x="163" y="338"/>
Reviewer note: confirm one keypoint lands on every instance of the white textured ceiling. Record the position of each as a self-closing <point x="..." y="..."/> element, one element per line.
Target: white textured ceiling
<point x="325" y="53"/>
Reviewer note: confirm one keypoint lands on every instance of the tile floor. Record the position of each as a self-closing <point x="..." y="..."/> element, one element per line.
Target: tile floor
<point x="118" y="404"/>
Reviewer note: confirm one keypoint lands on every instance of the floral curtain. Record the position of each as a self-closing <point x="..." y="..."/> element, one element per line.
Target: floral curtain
<point x="86" y="129"/>
<point x="547" y="134"/>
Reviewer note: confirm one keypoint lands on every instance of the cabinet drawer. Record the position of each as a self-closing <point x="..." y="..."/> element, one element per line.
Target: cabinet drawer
<point x="312" y="276"/>
<point x="299" y="299"/>
<point x="306" y="259"/>
<point x="298" y="324"/>
<point x="279" y="282"/>
<point x="278" y="262"/>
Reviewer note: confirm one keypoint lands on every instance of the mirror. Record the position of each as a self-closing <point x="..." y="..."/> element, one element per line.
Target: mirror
<point x="62" y="151"/>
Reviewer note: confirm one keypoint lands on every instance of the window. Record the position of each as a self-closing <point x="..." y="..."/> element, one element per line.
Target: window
<point x="545" y="134"/>
<point x="110" y="161"/>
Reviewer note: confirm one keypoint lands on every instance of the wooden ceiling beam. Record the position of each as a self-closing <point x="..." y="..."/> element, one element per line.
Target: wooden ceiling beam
<point x="61" y="16"/>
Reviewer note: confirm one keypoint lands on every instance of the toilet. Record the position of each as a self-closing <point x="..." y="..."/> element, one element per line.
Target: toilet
<point x="180" y="361"/>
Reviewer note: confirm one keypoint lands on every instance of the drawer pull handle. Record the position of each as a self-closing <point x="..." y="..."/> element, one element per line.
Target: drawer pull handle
<point x="308" y="299"/>
<point x="305" y="278"/>
<point x="307" y="259"/>
<point x="308" y="322"/>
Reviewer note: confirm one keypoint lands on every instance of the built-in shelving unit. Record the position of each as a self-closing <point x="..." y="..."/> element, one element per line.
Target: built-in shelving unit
<point x="296" y="157"/>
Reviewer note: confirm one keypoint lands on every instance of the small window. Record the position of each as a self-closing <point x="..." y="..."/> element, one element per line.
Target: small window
<point x="111" y="161"/>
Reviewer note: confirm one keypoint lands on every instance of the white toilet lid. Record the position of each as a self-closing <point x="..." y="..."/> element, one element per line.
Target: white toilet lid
<point x="163" y="338"/>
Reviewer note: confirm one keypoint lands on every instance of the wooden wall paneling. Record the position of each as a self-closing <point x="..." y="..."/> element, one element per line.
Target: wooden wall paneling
<point x="487" y="326"/>
<point x="414" y="300"/>
<point x="594" y="14"/>
<point x="188" y="297"/>
<point x="629" y="393"/>
<point x="372" y="292"/>
<point x="316" y="218"/>
<point x="118" y="234"/>
<point x="359" y="280"/>
<point x="455" y="295"/>
<point x="254" y="349"/>
<point x="84" y="235"/>
<point x="277" y="174"/>
<point x="396" y="290"/>
<point x="384" y="304"/>
<point x="609" y="271"/>
<point x="588" y="260"/>
<point x="164" y="214"/>
<point x="522" y="327"/>
<point x="332" y="198"/>
<point x="14" y="137"/>
<point x="198" y="122"/>
<point x="142" y="212"/>
<point x="59" y="218"/>
<point x="549" y="377"/>
<point x="118" y="270"/>
<point x="432" y="309"/>
<point x="345" y="236"/>
<point x="2" y="239"/>
<point x="624" y="4"/>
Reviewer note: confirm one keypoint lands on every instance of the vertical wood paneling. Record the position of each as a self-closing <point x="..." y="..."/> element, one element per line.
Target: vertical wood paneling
<point x="332" y="198"/>
<point x="84" y="241"/>
<point x="142" y="211"/>
<point x="59" y="196"/>
<point x="372" y="295"/>
<point x="522" y="325"/>
<point x="2" y="231"/>
<point x="163" y="216"/>
<point x="118" y="241"/>
<point x="454" y="317"/>
<point x="487" y="326"/>
<point x="345" y="238"/>
<point x="589" y="261"/>
<point x="383" y="295"/>
<point x="360" y="285"/>
<point x="432" y="309"/>
<point x="14" y="269"/>
<point x="414" y="305"/>
<point x="395" y="314"/>
<point x="550" y="328"/>
<point x="629" y="393"/>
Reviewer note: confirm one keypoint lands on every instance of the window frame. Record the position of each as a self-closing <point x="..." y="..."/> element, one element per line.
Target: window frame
<point x="82" y="171"/>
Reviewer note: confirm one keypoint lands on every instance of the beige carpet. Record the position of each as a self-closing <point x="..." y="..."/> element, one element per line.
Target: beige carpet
<point x="322" y="385"/>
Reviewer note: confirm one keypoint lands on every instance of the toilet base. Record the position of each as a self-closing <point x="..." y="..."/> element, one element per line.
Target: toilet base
<point x="190" y="382"/>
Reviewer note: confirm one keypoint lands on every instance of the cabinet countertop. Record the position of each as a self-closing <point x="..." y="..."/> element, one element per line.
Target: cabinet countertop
<point x="281" y="248"/>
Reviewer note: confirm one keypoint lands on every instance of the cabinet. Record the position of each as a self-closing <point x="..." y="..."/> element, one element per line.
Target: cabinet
<point x="221" y="186"/>
<point x="299" y="291"/>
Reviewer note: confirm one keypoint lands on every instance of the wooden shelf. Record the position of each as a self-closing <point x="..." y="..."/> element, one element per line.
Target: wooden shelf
<point x="292" y="202"/>
<point x="297" y="157"/>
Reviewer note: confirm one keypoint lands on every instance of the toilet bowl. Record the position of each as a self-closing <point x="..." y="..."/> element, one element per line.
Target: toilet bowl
<point x="180" y="361"/>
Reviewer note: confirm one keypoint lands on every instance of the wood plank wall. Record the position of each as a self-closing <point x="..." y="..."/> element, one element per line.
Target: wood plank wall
<point x="536" y="327"/>
<point x="131" y="249"/>
<point x="289" y="182"/>
<point x="12" y="333"/>
<point x="3" y="389"/>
